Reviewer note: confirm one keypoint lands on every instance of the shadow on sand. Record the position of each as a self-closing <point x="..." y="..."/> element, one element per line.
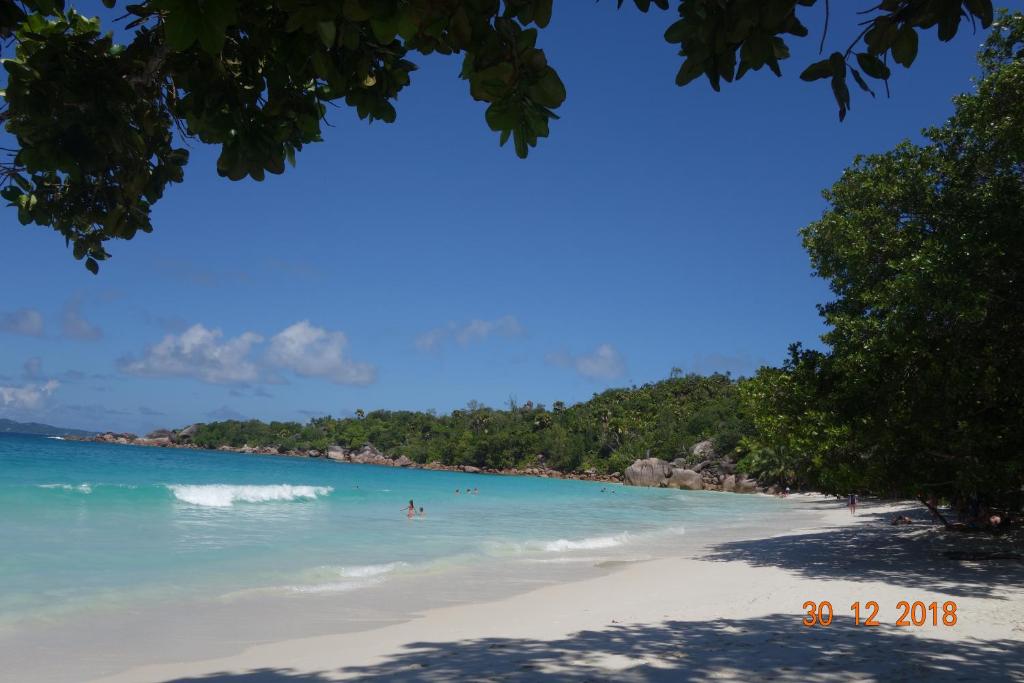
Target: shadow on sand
<point x="768" y="648"/>
<point x="910" y="556"/>
<point x="686" y="651"/>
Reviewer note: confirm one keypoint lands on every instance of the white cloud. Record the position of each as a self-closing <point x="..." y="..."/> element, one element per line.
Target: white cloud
<point x="432" y="339"/>
<point x="26" y="321"/>
<point x="73" y="325"/>
<point x="604" y="362"/>
<point x="200" y="353"/>
<point x="315" y="352"/>
<point x="473" y="331"/>
<point x="27" y="396"/>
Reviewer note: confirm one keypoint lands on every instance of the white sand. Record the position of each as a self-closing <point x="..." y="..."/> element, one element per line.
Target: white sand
<point x="732" y="613"/>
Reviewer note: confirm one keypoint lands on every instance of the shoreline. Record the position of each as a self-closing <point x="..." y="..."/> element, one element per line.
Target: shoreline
<point x="739" y="602"/>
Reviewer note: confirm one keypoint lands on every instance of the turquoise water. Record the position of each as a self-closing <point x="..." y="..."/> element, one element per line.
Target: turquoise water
<point x="87" y="527"/>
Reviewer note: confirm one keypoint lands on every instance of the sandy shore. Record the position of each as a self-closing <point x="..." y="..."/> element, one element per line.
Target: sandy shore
<point x="733" y="612"/>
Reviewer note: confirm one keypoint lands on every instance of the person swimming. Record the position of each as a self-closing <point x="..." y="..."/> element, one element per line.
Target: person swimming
<point x="457" y="492"/>
<point x="422" y="513"/>
<point x="475" y="490"/>
<point x="411" y="510"/>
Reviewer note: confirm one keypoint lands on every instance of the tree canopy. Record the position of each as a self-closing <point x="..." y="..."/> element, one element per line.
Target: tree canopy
<point x="921" y="388"/>
<point x="606" y="433"/>
<point x="99" y="126"/>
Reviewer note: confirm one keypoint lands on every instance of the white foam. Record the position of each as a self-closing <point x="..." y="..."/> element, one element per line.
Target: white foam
<point x="595" y="543"/>
<point x="359" y="572"/>
<point x="81" y="488"/>
<point x="226" y="495"/>
<point x="353" y="578"/>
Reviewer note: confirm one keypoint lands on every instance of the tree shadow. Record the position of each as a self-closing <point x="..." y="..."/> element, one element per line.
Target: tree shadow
<point x="772" y="648"/>
<point x="912" y="556"/>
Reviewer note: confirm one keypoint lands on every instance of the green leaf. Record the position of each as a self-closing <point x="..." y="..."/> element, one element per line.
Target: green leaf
<point x="92" y="266"/>
<point x="549" y="91"/>
<point x="328" y="31"/>
<point x="860" y="81"/>
<point x="817" y="71"/>
<point x="384" y="30"/>
<point x="180" y="29"/>
<point x="677" y="32"/>
<point x="904" y="48"/>
<point x="873" y="66"/>
<point x="982" y="9"/>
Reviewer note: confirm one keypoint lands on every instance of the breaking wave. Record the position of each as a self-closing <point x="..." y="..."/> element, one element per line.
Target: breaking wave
<point x="226" y="495"/>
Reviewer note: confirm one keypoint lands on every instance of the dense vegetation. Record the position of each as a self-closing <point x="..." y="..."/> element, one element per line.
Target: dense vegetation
<point x="921" y="388"/>
<point x="99" y="127"/>
<point x="605" y="433"/>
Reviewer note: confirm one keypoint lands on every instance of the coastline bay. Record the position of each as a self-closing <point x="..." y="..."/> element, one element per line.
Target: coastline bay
<point x="177" y="554"/>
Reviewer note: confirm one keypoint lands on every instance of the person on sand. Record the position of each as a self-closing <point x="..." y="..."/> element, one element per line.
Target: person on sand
<point x="852" y="504"/>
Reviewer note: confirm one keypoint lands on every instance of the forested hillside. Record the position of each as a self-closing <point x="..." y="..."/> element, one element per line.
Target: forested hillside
<point x="605" y="433"/>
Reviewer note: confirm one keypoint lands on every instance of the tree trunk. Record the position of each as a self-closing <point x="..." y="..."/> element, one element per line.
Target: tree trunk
<point x="935" y="513"/>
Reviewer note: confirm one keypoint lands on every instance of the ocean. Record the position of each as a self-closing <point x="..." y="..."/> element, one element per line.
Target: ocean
<point x="107" y="534"/>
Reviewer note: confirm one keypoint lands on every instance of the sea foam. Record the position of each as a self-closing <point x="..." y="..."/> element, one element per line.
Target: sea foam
<point x="81" y="488"/>
<point x="226" y="495"/>
<point x="595" y="543"/>
<point x="353" y="578"/>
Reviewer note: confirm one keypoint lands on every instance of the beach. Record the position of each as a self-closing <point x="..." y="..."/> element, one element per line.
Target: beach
<point x="727" y="611"/>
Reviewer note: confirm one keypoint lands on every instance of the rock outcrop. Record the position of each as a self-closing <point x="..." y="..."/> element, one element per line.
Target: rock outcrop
<point x="684" y="479"/>
<point x="744" y="485"/>
<point x="648" y="472"/>
<point x="187" y="434"/>
<point x="704" y="450"/>
<point x="713" y="472"/>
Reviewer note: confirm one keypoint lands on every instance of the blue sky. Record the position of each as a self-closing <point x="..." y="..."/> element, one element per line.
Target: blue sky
<point x="419" y="266"/>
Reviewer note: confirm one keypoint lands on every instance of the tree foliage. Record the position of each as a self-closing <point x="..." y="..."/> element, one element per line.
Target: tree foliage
<point x="922" y="387"/>
<point x="606" y="433"/>
<point x="99" y="126"/>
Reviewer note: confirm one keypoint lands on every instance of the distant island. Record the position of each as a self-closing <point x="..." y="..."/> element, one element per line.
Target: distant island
<point x="40" y="429"/>
<point x="686" y="431"/>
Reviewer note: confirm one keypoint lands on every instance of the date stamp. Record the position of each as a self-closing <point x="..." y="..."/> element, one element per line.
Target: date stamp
<point x="916" y="613"/>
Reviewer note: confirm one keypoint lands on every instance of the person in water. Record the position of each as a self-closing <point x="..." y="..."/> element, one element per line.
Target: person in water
<point x="422" y="513"/>
<point x="456" y="492"/>
<point x="411" y="510"/>
<point x="475" y="490"/>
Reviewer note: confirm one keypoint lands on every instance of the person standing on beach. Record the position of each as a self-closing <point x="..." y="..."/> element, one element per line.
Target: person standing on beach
<point x="852" y="504"/>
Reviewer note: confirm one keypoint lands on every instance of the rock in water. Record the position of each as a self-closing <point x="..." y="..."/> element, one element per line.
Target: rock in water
<point x="648" y="472"/>
<point x="685" y="479"/>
